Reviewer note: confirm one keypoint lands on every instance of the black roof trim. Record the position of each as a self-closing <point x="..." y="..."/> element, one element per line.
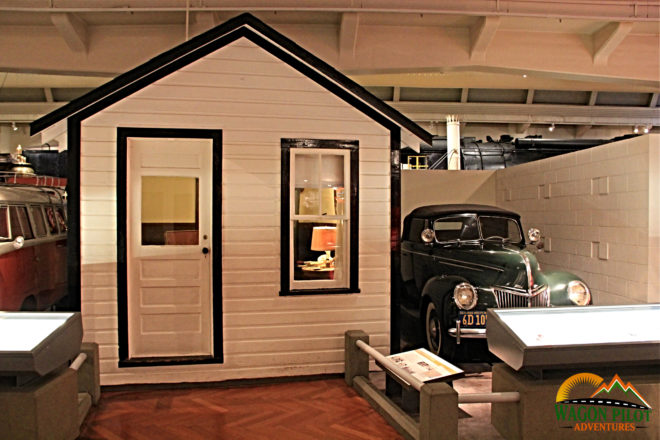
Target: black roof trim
<point x="439" y="210"/>
<point x="108" y="92"/>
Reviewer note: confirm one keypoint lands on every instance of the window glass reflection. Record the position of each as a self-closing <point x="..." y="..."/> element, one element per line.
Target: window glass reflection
<point x="170" y="210"/>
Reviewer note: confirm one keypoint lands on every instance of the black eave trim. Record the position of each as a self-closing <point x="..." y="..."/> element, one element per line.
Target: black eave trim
<point x="123" y="133"/>
<point x="128" y="77"/>
<point x="212" y="40"/>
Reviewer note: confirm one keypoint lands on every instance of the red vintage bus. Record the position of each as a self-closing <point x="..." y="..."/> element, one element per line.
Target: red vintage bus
<point x="33" y="239"/>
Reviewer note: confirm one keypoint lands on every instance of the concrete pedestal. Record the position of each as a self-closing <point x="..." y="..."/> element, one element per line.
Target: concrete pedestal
<point x="45" y="410"/>
<point x="535" y="416"/>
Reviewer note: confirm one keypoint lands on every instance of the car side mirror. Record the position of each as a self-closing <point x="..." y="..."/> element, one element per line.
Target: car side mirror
<point x="535" y="238"/>
<point x="19" y="242"/>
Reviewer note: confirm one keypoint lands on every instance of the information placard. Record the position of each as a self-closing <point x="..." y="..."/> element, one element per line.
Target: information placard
<point x="425" y="366"/>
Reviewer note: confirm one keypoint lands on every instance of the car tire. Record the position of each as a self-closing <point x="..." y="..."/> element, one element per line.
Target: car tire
<point x="437" y="339"/>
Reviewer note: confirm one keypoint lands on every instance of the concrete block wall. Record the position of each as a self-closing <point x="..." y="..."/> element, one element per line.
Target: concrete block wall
<point x="599" y="212"/>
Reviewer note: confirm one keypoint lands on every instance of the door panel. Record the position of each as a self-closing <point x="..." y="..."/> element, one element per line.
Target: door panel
<point x="170" y="311"/>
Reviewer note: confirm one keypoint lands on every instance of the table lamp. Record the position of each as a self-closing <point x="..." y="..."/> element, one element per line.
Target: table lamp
<point x="324" y="238"/>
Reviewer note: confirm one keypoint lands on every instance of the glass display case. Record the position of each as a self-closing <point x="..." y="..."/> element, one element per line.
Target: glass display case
<point x="35" y="344"/>
<point x="575" y="336"/>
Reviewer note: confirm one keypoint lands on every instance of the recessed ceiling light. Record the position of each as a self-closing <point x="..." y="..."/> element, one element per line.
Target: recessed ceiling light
<point x="524" y="75"/>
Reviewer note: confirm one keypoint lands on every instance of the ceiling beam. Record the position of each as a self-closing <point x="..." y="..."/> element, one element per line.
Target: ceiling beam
<point x="481" y="35"/>
<point x="607" y="39"/>
<point x="72" y="29"/>
<point x="654" y="100"/>
<point x="203" y="21"/>
<point x="535" y="114"/>
<point x="521" y="128"/>
<point x="396" y="94"/>
<point x="581" y="130"/>
<point x="464" y="94"/>
<point x="48" y="94"/>
<point x="635" y="10"/>
<point x="530" y="96"/>
<point x="348" y="34"/>
<point x="26" y="111"/>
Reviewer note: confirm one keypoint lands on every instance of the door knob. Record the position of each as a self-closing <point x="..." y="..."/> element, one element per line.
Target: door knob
<point x="205" y="250"/>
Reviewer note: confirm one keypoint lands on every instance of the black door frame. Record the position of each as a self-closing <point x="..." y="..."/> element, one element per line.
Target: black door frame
<point x="123" y="133"/>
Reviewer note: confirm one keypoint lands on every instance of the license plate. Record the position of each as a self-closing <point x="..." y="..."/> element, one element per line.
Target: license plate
<point x="472" y="319"/>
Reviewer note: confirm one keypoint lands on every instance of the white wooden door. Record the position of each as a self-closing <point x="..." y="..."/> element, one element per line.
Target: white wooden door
<point x="169" y="240"/>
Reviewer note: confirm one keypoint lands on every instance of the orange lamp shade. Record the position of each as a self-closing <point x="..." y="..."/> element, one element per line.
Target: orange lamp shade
<point x="324" y="238"/>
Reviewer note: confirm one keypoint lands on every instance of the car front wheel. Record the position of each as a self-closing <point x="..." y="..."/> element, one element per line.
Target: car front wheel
<point x="437" y="340"/>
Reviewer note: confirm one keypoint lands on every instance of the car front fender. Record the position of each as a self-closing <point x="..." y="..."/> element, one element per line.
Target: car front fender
<point x="558" y="282"/>
<point x="437" y="288"/>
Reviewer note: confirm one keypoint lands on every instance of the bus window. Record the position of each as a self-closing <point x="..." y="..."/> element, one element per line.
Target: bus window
<point x="50" y="217"/>
<point x="59" y="215"/>
<point x="20" y="225"/>
<point x="4" y="224"/>
<point x="38" y="218"/>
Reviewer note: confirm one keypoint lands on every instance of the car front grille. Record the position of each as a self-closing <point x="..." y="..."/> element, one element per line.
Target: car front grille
<point x="510" y="298"/>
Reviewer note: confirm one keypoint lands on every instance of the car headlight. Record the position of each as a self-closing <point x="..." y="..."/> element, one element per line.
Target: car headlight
<point x="465" y="296"/>
<point x="578" y="293"/>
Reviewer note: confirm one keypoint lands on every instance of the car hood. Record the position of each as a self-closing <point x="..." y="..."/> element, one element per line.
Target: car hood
<point x="507" y="265"/>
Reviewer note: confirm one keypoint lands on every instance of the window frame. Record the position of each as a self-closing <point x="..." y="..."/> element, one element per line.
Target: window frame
<point x="292" y="147"/>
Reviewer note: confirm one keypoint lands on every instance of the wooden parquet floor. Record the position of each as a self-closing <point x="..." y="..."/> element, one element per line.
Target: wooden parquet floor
<point x="322" y="409"/>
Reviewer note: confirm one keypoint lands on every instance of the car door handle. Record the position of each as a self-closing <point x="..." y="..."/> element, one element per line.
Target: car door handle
<point x="205" y="250"/>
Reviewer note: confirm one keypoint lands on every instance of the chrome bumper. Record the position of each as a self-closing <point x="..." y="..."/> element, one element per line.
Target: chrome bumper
<point x="472" y="333"/>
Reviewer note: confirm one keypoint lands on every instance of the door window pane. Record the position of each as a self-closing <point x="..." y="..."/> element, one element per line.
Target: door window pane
<point x="170" y="210"/>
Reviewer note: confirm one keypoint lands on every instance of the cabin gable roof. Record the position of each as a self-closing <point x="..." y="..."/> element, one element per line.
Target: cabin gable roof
<point x="243" y="26"/>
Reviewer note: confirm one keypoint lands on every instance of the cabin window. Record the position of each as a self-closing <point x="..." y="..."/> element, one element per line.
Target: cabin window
<point x="4" y="224"/>
<point x="50" y="218"/>
<point x="20" y="224"/>
<point x="60" y="216"/>
<point x="321" y="214"/>
<point x="38" y="218"/>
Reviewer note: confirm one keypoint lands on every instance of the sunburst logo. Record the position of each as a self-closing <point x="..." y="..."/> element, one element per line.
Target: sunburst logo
<point x="598" y="405"/>
<point x="614" y="393"/>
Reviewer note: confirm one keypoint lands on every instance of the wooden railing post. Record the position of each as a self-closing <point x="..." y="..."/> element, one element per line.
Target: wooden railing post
<point x="438" y="412"/>
<point x="356" y="362"/>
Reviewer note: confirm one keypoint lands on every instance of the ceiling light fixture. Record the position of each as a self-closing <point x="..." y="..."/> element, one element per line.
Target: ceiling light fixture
<point x="636" y="129"/>
<point x="647" y="129"/>
<point x="13" y="126"/>
<point x="552" y="127"/>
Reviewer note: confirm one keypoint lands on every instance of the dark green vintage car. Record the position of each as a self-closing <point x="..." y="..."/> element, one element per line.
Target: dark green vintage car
<point x="459" y="260"/>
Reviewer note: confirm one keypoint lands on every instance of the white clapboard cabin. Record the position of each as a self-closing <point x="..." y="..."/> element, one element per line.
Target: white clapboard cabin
<point x="234" y="208"/>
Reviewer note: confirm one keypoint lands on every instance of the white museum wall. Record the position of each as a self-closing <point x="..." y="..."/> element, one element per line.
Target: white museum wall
<point x="256" y="100"/>
<point x="439" y="187"/>
<point x="599" y="212"/>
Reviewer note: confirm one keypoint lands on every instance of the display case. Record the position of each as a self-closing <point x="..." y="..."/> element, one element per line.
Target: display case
<point x="566" y="337"/>
<point x="35" y="344"/>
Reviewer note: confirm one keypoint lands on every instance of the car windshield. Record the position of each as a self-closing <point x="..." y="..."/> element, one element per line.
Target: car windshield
<point x="499" y="228"/>
<point x="455" y="228"/>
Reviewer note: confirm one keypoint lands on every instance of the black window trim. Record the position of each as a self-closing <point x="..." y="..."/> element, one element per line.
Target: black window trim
<point x="285" y="237"/>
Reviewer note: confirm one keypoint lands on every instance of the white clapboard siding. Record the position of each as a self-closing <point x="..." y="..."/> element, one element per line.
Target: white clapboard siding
<point x="256" y="100"/>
